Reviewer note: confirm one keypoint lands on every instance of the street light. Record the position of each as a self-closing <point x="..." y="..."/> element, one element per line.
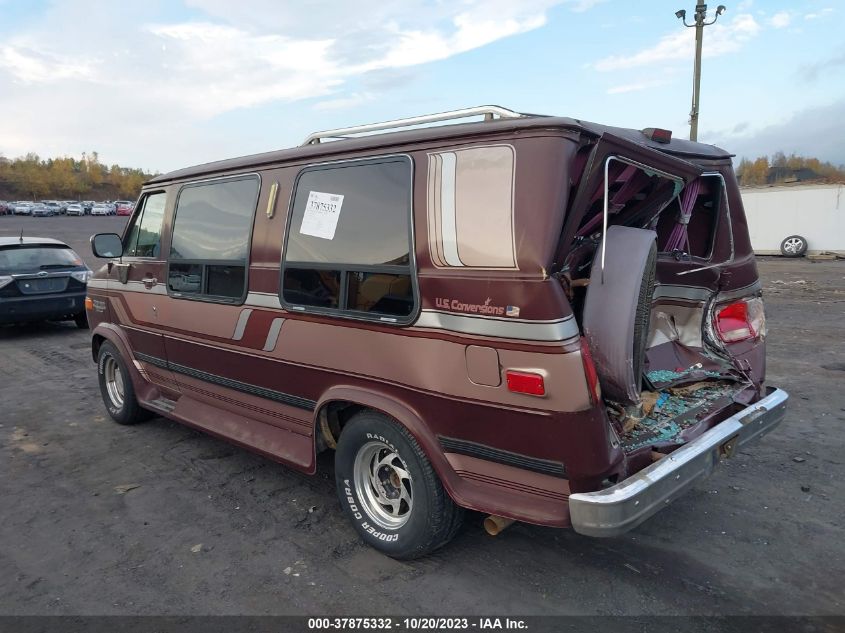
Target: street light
<point x="699" y="23"/>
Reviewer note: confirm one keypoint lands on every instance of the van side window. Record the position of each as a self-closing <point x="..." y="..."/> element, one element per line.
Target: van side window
<point x="349" y="240"/>
<point x="211" y="235"/>
<point x="144" y="238"/>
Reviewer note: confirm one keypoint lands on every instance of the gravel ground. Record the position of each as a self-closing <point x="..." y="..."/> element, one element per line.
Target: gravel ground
<point x="102" y="519"/>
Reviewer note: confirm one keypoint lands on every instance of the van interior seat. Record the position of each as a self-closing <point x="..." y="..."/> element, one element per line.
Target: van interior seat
<point x="376" y="287"/>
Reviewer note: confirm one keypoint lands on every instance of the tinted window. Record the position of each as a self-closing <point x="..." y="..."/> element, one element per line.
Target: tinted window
<point x="372" y="218"/>
<point x="211" y="231"/>
<point x="348" y="245"/>
<point x="380" y="293"/>
<point x="20" y="259"/>
<point x="213" y="220"/>
<point x="306" y="287"/>
<point x="144" y="238"/>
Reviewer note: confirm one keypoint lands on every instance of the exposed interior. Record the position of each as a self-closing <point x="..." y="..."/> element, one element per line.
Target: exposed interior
<point x="686" y="385"/>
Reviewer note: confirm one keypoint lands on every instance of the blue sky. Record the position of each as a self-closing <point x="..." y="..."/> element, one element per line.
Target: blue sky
<point x="162" y="85"/>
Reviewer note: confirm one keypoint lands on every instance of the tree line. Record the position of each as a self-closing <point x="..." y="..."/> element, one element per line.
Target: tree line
<point x="781" y="168"/>
<point x="33" y="178"/>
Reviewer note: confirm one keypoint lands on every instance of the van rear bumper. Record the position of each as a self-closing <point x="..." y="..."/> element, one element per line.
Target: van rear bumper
<point x="615" y="510"/>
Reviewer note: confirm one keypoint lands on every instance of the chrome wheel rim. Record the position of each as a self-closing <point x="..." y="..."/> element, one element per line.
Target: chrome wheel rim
<point x="384" y="485"/>
<point x="114" y="381"/>
<point x="793" y="245"/>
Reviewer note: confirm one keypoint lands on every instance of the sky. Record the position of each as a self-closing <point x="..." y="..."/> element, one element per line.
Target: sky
<point x="167" y="84"/>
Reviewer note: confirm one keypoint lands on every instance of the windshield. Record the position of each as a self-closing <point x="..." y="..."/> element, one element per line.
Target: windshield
<point x="24" y="259"/>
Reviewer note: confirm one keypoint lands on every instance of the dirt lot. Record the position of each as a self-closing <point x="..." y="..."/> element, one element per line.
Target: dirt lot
<point x="207" y="528"/>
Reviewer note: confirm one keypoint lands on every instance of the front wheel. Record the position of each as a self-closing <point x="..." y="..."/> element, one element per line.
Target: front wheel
<point x="116" y="387"/>
<point x="389" y="489"/>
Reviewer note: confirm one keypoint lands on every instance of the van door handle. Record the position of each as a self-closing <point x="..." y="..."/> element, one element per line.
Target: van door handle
<point x="149" y="282"/>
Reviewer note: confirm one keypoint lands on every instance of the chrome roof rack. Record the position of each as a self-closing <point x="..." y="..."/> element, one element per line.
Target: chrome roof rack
<point x="488" y="112"/>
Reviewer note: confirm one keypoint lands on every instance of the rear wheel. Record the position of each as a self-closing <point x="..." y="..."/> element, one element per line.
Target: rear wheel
<point x="389" y="489"/>
<point x="116" y="387"/>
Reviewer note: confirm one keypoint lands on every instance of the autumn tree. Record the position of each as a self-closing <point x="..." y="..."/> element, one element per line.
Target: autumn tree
<point x="30" y="177"/>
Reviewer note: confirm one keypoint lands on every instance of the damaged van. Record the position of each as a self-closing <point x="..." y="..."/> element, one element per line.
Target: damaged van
<point x="537" y="318"/>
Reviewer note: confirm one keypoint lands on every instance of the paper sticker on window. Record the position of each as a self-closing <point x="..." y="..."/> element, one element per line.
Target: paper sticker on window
<point x="321" y="214"/>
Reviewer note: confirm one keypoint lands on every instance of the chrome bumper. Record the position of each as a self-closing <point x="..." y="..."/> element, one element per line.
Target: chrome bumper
<point x="617" y="509"/>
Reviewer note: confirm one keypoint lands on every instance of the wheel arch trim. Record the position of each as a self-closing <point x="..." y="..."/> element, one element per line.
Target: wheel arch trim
<point x="404" y="415"/>
<point x="113" y="334"/>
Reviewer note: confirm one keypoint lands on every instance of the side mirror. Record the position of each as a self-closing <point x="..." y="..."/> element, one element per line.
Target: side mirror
<point x="106" y="245"/>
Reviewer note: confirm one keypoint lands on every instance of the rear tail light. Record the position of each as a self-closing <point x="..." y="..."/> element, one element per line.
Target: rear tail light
<point x="525" y="382"/>
<point x="741" y="321"/>
<point x="590" y="372"/>
<point x="82" y="276"/>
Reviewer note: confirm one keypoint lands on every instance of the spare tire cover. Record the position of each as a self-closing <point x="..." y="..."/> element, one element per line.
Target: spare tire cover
<point x="616" y="312"/>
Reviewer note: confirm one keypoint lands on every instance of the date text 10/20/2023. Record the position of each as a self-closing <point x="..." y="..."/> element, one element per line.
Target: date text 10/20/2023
<point x="416" y="624"/>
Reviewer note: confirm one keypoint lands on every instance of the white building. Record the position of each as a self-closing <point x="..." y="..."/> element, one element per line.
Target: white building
<point x="814" y="212"/>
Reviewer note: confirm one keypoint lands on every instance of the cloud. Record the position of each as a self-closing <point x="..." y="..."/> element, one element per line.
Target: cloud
<point x="819" y="14"/>
<point x="129" y="78"/>
<point x="811" y="72"/>
<point x="781" y="20"/>
<point x="32" y="66"/>
<point x="720" y="39"/>
<point x="815" y="132"/>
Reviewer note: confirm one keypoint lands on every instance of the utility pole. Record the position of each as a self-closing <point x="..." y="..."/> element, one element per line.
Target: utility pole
<point x="699" y="23"/>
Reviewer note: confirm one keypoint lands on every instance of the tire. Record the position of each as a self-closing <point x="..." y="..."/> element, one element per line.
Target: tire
<point x="418" y="516"/>
<point x="116" y="387"/>
<point x="642" y="320"/>
<point x="617" y="311"/>
<point x="793" y="246"/>
<point x="81" y="320"/>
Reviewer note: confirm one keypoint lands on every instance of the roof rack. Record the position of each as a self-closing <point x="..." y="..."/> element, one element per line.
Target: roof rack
<point x="489" y="113"/>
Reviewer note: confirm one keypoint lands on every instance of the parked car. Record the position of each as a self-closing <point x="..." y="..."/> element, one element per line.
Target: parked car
<point x="4" y="207"/>
<point x="87" y="205"/>
<point x="75" y="209"/>
<point x="41" y="210"/>
<point x="101" y="209"/>
<point x="124" y="207"/>
<point x="41" y="279"/>
<point x="23" y="208"/>
<point x="53" y="206"/>
<point x="538" y="318"/>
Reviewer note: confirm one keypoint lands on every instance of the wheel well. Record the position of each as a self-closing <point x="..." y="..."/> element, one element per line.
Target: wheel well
<point x="331" y="418"/>
<point x="96" y="341"/>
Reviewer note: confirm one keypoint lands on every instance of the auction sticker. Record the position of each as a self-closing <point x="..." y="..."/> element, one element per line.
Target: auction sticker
<point x="322" y="212"/>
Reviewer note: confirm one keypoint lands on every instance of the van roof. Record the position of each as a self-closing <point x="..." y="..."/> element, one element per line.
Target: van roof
<point x="526" y="123"/>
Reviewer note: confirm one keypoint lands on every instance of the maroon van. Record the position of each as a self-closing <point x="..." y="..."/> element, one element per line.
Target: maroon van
<point x="538" y="318"/>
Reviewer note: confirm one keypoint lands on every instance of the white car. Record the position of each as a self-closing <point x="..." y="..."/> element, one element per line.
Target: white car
<point x="101" y="209"/>
<point x="75" y="209"/>
<point x="23" y="208"/>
